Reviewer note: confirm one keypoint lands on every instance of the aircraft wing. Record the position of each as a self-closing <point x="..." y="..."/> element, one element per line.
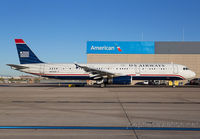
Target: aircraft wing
<point x="96" y="73"/>
<point x="17" y="67"/>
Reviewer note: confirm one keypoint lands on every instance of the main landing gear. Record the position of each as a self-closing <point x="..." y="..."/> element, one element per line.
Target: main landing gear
<point x="102" y="85"/>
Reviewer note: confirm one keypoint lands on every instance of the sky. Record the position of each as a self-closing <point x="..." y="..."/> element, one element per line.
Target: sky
<point x="58" y="30"/>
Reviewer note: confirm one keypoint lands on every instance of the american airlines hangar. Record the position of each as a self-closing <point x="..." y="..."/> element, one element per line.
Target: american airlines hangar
<point x="184" y="53"/>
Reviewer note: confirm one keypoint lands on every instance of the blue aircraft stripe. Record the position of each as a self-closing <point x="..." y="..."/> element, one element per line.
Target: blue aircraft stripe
<point x="101" y="128"/>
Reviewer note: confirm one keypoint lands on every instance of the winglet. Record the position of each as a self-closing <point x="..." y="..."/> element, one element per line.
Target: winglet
<point x="77" y="65"/>
<point x="19" y="41"/>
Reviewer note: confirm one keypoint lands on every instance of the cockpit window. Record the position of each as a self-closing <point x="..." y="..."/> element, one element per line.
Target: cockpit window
<point x="185" y="68"/>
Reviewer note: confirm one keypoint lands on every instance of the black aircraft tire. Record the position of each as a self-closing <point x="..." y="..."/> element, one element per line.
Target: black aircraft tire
<point x="102" y="85"/>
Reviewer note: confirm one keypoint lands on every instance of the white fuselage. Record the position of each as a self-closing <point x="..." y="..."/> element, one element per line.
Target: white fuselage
<point x="139" y="71"/>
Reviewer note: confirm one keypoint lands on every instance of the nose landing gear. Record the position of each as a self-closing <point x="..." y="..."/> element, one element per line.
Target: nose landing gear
<point x="173" y="84"/>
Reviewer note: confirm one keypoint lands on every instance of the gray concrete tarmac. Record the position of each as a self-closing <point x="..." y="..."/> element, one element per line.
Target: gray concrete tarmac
<point x="54" y="106"/>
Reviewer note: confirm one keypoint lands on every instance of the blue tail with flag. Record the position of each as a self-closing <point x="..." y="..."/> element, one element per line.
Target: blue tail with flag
<point x="26" y="55"/>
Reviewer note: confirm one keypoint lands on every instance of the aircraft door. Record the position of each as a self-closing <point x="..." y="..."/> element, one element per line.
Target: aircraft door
<point x="41" y="69"/>
<point x="137" y="71"/>
<point x="175" y="69"/>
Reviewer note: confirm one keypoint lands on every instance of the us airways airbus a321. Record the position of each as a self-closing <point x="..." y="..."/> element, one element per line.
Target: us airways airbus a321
<point x="102" y="74"/>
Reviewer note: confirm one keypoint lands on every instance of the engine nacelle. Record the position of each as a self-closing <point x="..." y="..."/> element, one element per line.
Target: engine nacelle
<point x="120" y="80"/>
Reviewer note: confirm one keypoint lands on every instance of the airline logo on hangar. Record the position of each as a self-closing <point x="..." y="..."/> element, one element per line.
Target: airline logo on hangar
<point x="105" y="48"/>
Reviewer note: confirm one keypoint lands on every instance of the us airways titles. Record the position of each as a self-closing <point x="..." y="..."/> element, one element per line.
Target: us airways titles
<point x="147" y="65"/>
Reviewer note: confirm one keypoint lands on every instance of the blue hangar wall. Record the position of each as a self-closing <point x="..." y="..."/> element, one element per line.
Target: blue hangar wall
<point x="120" y="47"/>
<point x="185" y="53"/>
<point x="142" y="47"/>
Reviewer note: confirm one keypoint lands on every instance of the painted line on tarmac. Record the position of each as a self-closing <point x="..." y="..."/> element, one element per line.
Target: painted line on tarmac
<point x="101" y="128"/>
<point x="134" y="102"/>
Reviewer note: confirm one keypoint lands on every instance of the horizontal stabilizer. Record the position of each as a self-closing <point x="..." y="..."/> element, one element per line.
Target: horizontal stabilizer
<point x="17" y="67"/>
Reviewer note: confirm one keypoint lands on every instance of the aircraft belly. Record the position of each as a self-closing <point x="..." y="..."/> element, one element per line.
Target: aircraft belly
<point x="68" y="77"/>
<point x="156" y="78"/>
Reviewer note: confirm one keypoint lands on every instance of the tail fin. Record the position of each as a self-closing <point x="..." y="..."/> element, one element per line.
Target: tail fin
<point x="26" y="56"/>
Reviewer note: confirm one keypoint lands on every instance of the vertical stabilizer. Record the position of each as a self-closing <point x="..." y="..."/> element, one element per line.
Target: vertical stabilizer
<point x="26" y="55"/>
